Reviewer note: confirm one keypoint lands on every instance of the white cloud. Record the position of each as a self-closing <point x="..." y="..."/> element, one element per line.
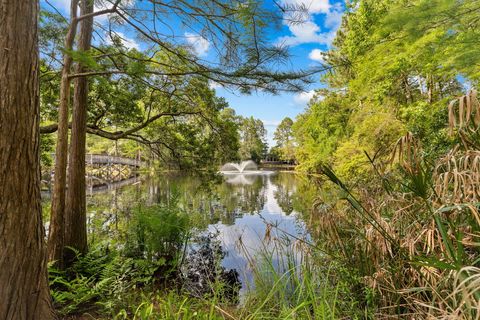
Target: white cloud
<point x="308" y="31"/>
<point x="126" y="41"/>
<point x="317" y="55"/>
<point x="214" y="85"/>
<point x="334" y="18"/>
<point x="271" y="123"/>
<point x="304" y="97"/>
<point x="198" y="43"/>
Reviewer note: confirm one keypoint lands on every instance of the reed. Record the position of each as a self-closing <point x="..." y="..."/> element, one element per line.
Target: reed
<point x="413" y="232"/>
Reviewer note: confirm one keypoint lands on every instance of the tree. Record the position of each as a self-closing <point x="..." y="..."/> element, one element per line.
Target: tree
<point x="320" y="129"/>
<point x="394" y="63"/>
<point x="75" y="233"/>
<point x="253" y="145"/>
<point x="284" y="137"/>
<point x="24" y="289"/>
<point x="439" y="36"/>
<point x="57" y="231"/>
<point x="274" y="154"/>
<point x="56" y="243"/>
<point x="203" y="137"/>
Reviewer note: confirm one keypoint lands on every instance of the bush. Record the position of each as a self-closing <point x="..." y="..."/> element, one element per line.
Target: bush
<point x="157" y="233"/>
<point x="107" y="280"/>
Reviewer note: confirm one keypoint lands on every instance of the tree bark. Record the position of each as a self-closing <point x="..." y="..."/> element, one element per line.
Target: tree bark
<point x="24" y="292"/>
<point x="75" y="213"/>
<point x="57" y="223"/>
<point x="430" y="88"/>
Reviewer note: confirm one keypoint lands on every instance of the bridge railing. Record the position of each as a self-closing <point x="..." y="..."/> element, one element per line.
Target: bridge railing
<point x="108" y="159"/>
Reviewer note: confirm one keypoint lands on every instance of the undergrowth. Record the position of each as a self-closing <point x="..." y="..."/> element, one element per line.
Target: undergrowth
<point x="412" y="232"/>
<point x="289" y="280"/>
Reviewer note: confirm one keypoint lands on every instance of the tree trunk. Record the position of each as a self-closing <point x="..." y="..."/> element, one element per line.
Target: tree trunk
<point x="430" y="88"/>
<point x="57" y="223"/>
<point x="24" y="292"/>
<point x="75" y="213"/>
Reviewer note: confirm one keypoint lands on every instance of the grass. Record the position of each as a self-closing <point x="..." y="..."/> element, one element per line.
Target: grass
<point x="288" y="283"/>
<point x="412" y="232"/>
<point x="297" y="292"/>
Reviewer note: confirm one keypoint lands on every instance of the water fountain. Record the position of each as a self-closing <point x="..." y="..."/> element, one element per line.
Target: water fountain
<point x="242" y="168"/>
<point x="239" y="167"/>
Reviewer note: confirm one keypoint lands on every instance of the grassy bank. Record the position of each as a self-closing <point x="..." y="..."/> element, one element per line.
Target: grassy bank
<point x="289" y="282"/>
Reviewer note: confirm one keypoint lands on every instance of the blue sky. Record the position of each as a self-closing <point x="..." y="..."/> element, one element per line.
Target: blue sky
<point x="306" y="41"/>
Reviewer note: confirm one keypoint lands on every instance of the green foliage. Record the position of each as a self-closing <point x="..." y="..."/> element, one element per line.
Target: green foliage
<point x="126" y="148"/>
<point x="158" y="233"/>
<point x="395" y="66"/>
<point x="102" y="281"/>
<point x="274" y="154"/>
<point x="171" y="306"/>
<point x="427" y="122"/>
<point x="312" y="299"/>
<point x="283" y="135"/>
<point x="106" y="279"/>
<point x="46" y="149"/>
<point x="160" y="96"/>
<point x="118" y="103"/>
<point x="396" y="63"/>
<point x="253" y="144"/>
<point x="74" y="294"/>
<point x="320" y="130"/>
<point x="49" y="91"/>
<point x="85" y="58"/>
<point x="400" y="235"/>
<point x="439" y="31"/>
<point x="176" y="121"/>
<point x="52" y="32"/>
<point x="374" y="132"/>
<point x="295" y="281"/>
<point x="191" y="129"/>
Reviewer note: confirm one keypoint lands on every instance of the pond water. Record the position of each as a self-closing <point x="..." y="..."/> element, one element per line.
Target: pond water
<point x="246" y="211"/>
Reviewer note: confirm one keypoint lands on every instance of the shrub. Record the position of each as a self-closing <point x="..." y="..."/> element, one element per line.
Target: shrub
<point x="158" y="233"/>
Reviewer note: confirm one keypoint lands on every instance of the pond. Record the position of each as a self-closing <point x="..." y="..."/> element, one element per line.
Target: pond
<point x="247" y="213"/>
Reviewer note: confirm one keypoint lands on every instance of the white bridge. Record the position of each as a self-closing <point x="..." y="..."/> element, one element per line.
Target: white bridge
<point x="101" y="159"/>
<point x="105" y="172"/>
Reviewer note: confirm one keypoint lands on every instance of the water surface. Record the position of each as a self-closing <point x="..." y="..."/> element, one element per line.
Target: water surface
<point x="248" y="212"/>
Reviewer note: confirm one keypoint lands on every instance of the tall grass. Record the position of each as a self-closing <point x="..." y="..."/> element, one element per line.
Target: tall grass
<point x="287" y="284"/>
<point x="413" y="231"/>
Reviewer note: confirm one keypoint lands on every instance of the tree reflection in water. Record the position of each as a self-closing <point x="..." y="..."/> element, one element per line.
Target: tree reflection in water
<point x="239" y="207"/>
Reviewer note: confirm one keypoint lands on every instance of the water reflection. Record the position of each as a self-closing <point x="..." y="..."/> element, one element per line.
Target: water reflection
<point x="240" y="208"/>
<point x="247" y="235"/>
<point x="240" y="179"/>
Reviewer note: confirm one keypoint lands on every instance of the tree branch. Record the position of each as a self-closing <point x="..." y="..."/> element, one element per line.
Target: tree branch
<point x="119" y="134"/>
